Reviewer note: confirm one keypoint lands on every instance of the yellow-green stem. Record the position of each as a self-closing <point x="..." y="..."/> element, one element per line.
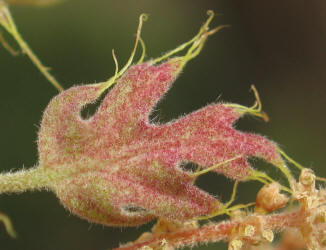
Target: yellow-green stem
<point x="8" y="23"/>
<point x="20" y="181"/>
<point x="8" y="225"/>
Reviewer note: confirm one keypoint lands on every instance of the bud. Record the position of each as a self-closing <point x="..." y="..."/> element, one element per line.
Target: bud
<point x="268" y="235"/>
<point x="307" y="178"/>
<point x="249" y="231"/>
<point x="235" y="245"/>
<point x="270" y="199"/>
<point x="305" y="189"/>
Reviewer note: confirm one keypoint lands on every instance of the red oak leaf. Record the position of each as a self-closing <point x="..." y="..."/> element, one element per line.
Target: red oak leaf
<point x="118" y="168"/>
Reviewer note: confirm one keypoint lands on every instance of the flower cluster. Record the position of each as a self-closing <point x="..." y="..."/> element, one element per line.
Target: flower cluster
<point x="302" y="224"/>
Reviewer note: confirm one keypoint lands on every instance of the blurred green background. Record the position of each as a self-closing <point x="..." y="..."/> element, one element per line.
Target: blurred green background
<point x="277" y="45"/>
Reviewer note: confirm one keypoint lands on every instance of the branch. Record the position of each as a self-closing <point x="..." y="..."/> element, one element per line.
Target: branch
<point x="215" y="232"/>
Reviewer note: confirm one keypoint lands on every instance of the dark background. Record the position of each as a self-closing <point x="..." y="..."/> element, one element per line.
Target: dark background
<point x="277" y="45"/>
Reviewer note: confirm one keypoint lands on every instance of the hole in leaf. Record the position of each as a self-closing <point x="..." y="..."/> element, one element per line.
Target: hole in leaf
<point x="90" y="109"/>
<point x="133" y="209"/>
<point x="188" y="167"/>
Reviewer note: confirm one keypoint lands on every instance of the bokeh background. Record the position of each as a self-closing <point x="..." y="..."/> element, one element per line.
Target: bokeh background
<point x="280" y="46"/>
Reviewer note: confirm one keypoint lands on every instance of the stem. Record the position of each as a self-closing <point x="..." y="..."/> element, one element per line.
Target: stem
<point x="8" y="23"/>
<point x="217" y="231"/>
<point x="196" y="174"/>
<point x="8" y="225"/>
<point x="112" y="80"/>
<point x="211" y="233"/>
<point x="24" y="180"/>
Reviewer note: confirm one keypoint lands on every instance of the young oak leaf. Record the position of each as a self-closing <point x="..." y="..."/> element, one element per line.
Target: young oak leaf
<point x="118" y="168"/>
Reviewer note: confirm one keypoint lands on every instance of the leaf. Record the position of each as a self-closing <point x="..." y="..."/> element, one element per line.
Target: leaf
<point x="118" y="168"/>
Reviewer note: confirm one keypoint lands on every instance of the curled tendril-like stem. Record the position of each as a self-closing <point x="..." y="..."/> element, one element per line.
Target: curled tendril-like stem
<point x="296" y="164"/>
<point x="255" y="110"/>
<point x="141" y="59"/>
<point x="8" y="225"/>
<point x="204" y="28"/>
<point x="112" y="80"/>
<point x="196" y="43"/>
<point x="226" y="207"/>
<point x="206" y="170"/>
<point x="7" y="22"/>
<point x="265" y="179"/>
<point x="115" y="63"/>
